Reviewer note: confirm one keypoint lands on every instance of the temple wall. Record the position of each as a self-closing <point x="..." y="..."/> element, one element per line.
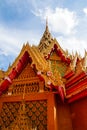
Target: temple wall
<point x="63" y="116"/>
<point x="69" y="116"/>
<point x="79" y="114"/>
<point x="36" y="103"/>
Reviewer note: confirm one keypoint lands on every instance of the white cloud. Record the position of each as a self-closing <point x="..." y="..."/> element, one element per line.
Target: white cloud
<point x="85" y="11"/>
<point x="73" y="44"/>
<point x="65" y="22"/>
<point x="60" y="19"/>
<point x="11" y="40"/>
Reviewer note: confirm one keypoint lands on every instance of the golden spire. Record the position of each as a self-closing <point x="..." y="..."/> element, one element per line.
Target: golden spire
<point x="46" y="23"/>
<point x="47" y="29"/>
<point x="46" y="40"/>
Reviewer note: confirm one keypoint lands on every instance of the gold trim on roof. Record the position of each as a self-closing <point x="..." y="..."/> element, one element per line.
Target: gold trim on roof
<point x="85" y="62"/>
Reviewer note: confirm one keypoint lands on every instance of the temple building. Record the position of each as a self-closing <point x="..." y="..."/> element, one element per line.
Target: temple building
<point x="44" y="89"/>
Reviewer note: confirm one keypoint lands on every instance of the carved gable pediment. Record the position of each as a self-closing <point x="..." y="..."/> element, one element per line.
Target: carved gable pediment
<point x="57" y="64"/>
<point x="27" y="72"/>
<point x="54" y="56"/>
<point x="26" y="82"/>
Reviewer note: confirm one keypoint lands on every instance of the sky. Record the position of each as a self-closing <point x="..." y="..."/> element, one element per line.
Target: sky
<point x="25" y="20"/>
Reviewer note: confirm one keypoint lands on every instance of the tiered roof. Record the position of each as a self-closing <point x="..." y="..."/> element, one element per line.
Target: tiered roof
<point x="76" y="84"/>
<point x="69" y="85"/>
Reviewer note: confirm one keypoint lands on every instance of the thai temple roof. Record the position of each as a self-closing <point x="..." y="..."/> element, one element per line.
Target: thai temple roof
<point x="68" y="76"/>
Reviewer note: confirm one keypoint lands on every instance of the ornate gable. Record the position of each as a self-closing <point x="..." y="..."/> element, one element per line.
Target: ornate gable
<point x="26" y="82"/>
<point x="27" y="72"/>
<point x="56" y="63"/>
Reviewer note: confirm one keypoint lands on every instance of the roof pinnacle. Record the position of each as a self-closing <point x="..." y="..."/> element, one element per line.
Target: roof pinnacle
<point x="47" y="24"/>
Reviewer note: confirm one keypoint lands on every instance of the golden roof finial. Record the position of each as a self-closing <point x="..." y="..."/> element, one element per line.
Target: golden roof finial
<point x="85" y="52"/>
<point x="85" y="61"/>
<point x="46" y="21"/>
<point x="74" y="61"/>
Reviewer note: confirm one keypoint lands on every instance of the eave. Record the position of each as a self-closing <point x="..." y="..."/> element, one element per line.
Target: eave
<point x="77" y="90"/>
<point x="75" y="79"/>
<point x="69" y="74"/>
<point x="79" y="85"/>
<point x="78" y="96"/>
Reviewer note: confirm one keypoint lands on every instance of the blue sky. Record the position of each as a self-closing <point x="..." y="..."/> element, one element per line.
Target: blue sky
<point x="24" y="20"/>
